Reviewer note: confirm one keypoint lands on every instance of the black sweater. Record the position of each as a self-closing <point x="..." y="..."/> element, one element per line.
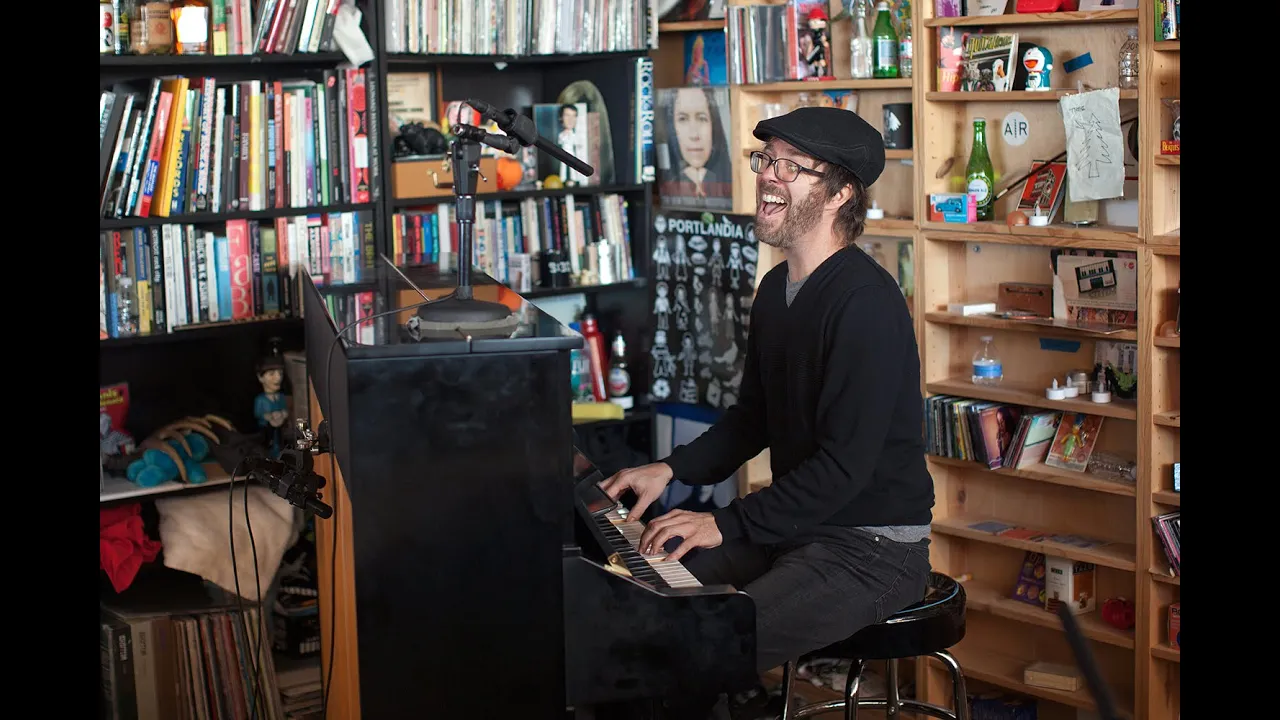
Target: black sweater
<point x="831" y="386"/>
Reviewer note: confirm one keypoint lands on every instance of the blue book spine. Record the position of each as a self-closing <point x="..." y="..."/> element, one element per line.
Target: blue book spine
<point x="221" y="249"/>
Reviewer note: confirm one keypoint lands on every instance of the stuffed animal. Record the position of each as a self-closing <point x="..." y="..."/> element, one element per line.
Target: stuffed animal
<point x="158" y="466"/>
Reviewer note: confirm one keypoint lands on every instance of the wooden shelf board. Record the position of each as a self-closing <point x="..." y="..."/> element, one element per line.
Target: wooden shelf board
<point x="1172" y="418"/>
<point x="1116" y="555"/>
<point x="205" y="331"/>
<point x="1100" y="237"/>
<point x="1167" y="497"/>
<point x="890" y="227"/>
<point x="1054" y="18"/>
<point x="402" y="203"/>
<point x="118" y="488"/>
<point x="691" y="26"/>
<point x="404" y="61"/>
<point x="1164" y="652"/>
<point x="165" y="62"/>
<point x="1161" y="575"/>
<point x="1168" y="46"/>
<point x="1169" y="342"/>
<point x="1006" y="672"/>
<point x="1168" y="159"/>
<point x="819" y="85"/>
<point x="997" y="323"/>
<point x="1046" y="474"/>
<point x="1175" y="250"/>
<point x="1012" y="96"/>
<point x="1167" y="243"/>
<point x="1010" y="392"/>
<point x="989" y="600"/>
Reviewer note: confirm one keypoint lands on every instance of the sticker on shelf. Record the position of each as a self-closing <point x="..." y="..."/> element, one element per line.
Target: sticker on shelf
<point x="1015" y="128"/>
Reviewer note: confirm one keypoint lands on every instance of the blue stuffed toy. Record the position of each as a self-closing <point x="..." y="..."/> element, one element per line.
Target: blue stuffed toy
<point x="175" y="452"/>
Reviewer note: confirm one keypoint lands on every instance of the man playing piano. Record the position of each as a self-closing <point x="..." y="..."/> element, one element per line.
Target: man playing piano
<point x="831" y="386"/>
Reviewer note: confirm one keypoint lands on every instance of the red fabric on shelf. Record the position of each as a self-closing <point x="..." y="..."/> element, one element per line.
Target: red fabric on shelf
<point x="123" y="545"/>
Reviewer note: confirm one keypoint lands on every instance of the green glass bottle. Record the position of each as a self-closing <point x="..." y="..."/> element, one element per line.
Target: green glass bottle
<point x="886" y="43"/>
<point x="979" y="176"/>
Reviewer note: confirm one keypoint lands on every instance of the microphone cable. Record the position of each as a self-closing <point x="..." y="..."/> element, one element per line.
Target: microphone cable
<point x="333" y="478"/>
<point x="255" y="658"/>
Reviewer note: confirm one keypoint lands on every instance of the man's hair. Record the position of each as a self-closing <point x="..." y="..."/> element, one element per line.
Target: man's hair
<point x="851" y="218"/>
<point x="567" y="107"/>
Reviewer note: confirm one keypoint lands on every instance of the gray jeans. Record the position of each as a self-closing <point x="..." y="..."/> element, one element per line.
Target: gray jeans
<point x="818" y="588"/>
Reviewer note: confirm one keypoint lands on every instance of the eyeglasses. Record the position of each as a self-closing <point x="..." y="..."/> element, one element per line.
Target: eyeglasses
<point x="786" y="170"/>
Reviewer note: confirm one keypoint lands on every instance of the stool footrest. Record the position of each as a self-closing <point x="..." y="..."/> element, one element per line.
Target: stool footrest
<point x="879" y="703"/>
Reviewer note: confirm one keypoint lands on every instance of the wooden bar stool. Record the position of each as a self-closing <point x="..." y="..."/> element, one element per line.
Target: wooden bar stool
<point x="925" y="629"/>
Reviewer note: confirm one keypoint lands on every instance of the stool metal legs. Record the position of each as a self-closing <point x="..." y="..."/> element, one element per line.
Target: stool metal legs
<point x="891" y="703"/>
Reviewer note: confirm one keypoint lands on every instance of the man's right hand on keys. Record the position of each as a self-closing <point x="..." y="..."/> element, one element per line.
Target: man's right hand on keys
<point x="646" y="481"/>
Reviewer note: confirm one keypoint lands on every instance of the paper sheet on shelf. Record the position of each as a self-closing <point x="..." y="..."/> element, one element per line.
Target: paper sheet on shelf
<point x="1095" y="146"/>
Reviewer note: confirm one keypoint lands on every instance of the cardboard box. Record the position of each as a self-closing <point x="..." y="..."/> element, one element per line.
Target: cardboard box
<point x="1052" y="676"/>
<point x="1026" y="297"/>
<point x="418" y="178"/>
<point x="953" y="208"/>
<point x="1175" y="625"/>
<point x="1071" y="582"/>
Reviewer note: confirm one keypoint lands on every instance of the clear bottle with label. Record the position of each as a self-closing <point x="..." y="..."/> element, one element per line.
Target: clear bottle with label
<point x="861" y="48"/>
<point x="1129" y="61"/>
<point x="904" y="45"/>
<point x="151" y="28"/>
<point x="980" y="177"/>
<point x="619" y="380"/>
<point x="987" y="369"/>
<point x="886" y="43"/>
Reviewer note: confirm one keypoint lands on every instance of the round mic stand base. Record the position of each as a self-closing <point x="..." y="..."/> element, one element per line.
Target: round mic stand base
<point x="456" y="318"/>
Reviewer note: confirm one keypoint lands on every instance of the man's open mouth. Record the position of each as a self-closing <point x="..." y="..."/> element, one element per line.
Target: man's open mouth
<point x="771" y="204"/>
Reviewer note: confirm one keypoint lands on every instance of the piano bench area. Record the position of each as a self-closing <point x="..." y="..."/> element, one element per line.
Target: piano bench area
<point x="926" y="629"/>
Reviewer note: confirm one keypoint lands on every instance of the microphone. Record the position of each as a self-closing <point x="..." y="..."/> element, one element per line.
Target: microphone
<point x="523" y="130"/>
<point x="292" y="476"/>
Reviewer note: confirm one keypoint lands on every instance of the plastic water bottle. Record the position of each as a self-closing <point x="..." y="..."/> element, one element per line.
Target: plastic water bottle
<point x="987" y="369"/>
<point x="1129" y="61"/>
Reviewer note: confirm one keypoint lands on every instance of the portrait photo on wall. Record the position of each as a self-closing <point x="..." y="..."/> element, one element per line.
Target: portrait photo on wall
<point x="691" y="133"/>
<point x="704" y="278"/>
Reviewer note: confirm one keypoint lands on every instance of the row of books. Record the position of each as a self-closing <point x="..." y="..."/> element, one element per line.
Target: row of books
<point x="1168" y="529"/>
<point x="198" y="145"/>
<point x="772" y="43"/>
<point x="160" y="278"/>
<point x="193" y="662"/>
<point x="592" y="233"/>
<point x="1168" y="16"/>
<point x="519" y="27"/>
<point x="999" y="435"/>
<point x="355" y="307"/>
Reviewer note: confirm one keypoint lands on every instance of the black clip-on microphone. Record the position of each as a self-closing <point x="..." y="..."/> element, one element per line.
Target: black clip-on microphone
<point x="293" y="476"/>
<point x="461" y="311"/>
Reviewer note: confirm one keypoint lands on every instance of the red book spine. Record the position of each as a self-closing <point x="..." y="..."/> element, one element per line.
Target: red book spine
<point x="241" y="270"/>
<point x="358" y="135"/>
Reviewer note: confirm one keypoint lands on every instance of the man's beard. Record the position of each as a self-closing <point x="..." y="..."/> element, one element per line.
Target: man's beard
<point x="800" y="218"/>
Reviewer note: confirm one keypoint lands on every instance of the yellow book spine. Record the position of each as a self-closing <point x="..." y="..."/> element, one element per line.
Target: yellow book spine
<point x="255" y="146"/>
<point x="143" y="288"/>
<point x="163" y="198"/>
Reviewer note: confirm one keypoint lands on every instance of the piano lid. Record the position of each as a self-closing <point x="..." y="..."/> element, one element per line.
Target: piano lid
<point x="398" y="291"/>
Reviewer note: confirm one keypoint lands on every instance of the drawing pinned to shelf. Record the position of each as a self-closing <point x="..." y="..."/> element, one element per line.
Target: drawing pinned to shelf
<point x="682" y="308"/>
<point x="716" y="263"/>
<point x="661" y="305"/>
<point x="664" y="366"/>
<point x="688" y="356"/>
<point x="689" y="391"/>
<point x="661" y="389"/>
<point x="1095" y="146"/>
<point x="735" y="265"/>
<point x="714" y="394"/>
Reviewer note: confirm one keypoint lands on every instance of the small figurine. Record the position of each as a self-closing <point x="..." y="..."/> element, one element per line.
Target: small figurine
<point x="1037" y="61"/>
<point x="819" y="54"/>
<point x="270" y="407"/>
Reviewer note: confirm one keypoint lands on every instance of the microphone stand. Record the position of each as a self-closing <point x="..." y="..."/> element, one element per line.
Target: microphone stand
<point x="462" y="311"/>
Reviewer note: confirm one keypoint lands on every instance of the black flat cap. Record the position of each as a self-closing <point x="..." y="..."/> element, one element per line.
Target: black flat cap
<point x="831" y="135"/>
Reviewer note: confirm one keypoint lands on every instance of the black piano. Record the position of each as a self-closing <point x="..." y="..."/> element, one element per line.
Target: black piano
<point x="480" y="571"/>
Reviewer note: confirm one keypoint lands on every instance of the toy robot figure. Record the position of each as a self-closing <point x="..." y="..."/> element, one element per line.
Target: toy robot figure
<point x="661" y="306"/>
<point x="662" y="259"/>
<point x="270" y="406"/>
<point x="735" y="265"/>
<point x="717" y="263"/>
<point x="687" y="355"/>
<point x="681" y="259"/>
<point x="820" y="50"/>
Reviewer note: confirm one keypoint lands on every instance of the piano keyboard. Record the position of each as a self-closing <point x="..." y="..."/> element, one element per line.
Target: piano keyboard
<point x="623" y="536"/>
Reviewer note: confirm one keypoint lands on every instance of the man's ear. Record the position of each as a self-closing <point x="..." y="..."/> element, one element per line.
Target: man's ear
<point x="840" y="198"/>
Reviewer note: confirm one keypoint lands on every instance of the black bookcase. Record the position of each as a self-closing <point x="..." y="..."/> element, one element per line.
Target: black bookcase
<point x="211" y="369"/>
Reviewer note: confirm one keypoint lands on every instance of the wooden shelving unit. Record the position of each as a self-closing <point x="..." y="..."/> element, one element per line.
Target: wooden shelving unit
<point x="965" y="263"/>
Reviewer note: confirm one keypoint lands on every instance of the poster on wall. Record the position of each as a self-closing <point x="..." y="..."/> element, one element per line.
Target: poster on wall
<point x="704" y="276"/>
